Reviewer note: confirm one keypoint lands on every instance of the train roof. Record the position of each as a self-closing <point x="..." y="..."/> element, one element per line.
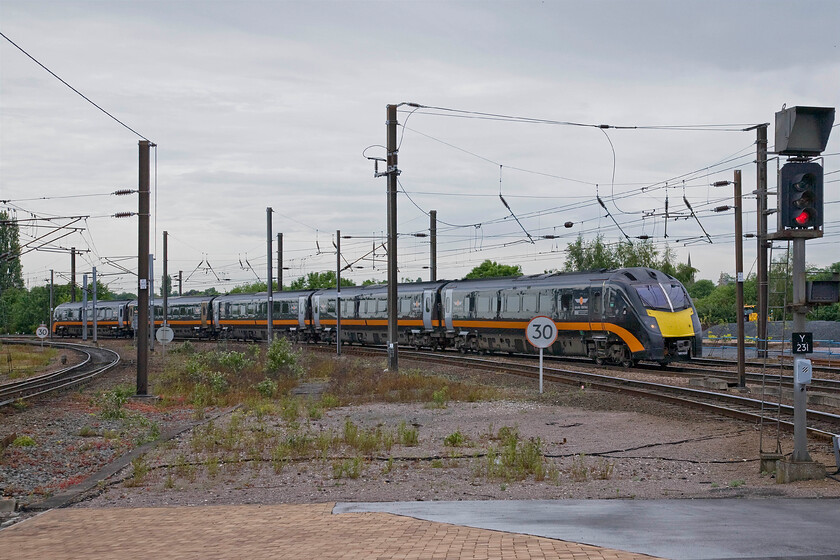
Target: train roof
<point x="99" y="303"/>
<point x="633" y="275"/>
<point x="263" y="296"/>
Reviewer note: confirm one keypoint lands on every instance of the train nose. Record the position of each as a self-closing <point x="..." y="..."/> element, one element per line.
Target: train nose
<point x="676" y="324"/>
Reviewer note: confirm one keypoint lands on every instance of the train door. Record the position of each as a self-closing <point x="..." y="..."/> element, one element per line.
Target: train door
<point x="596" y="305"/>
<point x="428" y="301"/>
<point x="316" y="311"/>
<point x="204" y="314"/>
<point x="302" y="312"/>
<point x="447" y="310"/>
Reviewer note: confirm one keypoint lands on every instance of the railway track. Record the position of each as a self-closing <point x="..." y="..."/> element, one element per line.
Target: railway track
<point x="96" y="361"/>
<point x="821" y="425"/>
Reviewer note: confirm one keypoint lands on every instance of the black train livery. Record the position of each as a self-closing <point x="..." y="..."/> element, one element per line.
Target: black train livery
<point x="611" y="316"/>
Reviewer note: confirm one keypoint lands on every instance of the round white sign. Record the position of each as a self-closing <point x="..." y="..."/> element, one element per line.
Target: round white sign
<point x="42" y="332"/>
<point x="541" y="332"/>
<point x="164" y="335"/>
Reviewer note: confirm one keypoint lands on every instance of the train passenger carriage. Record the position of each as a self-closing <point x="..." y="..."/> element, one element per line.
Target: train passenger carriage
<point x="111" y="319"/>
<point x="245" y="316"/>
<point x="364" y="314"/>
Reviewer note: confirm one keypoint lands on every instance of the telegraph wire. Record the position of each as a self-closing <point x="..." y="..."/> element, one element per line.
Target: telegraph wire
<point x="83" y="96"/>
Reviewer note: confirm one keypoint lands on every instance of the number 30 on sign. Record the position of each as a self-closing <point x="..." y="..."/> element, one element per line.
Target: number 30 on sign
<point x="542" y="332"/>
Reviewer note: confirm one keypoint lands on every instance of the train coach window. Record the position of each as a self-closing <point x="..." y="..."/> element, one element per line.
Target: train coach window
<point x="565" y="301"/>
<point x="529" y="303"/>
<point x="381" y="306"/>
<point x="513" y="304"/>
<point x="284" y="307"/>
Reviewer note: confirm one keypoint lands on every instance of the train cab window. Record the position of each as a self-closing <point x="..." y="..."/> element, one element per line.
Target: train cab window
<point x="617" y="305"/>
<point x="670" y="297"/>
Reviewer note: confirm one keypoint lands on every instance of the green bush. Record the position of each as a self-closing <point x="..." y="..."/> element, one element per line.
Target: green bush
<point x="266" y="388"/>
<point x="282" y="359"/>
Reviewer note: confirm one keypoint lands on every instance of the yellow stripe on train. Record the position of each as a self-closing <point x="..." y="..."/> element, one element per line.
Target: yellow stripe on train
<point x="674" y="324"/>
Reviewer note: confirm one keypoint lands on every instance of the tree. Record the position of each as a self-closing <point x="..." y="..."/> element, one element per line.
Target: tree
<point x="319" y="280"/>
<point x="589" y="255"/>
<point x="700" y="289"/>
<point x="10" y="269"/>
<point x="492" y="269"/>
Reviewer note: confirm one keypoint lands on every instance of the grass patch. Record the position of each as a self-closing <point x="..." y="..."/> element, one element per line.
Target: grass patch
<point x="515" y="459"/>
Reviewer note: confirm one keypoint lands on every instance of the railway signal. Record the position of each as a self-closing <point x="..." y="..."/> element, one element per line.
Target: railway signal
<point x="801" y="195"/>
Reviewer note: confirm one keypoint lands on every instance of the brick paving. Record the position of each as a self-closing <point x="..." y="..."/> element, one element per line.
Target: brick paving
<point x="277" y="531"/>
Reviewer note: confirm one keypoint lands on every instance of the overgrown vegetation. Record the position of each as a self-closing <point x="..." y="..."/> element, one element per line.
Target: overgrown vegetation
<point x="21" y="361"/>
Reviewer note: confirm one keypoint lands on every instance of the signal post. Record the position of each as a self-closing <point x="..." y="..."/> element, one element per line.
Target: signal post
<point x="801" y="134"/>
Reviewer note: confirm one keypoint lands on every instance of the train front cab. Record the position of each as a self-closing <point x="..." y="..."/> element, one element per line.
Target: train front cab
<point x="656" y="314"/>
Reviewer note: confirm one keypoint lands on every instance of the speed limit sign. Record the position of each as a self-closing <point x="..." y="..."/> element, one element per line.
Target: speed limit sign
<point x="42" y="332"/>
<point x="542" y="332"/>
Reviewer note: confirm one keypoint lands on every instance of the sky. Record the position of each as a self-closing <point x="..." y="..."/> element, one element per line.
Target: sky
<point x="258" y="104"/>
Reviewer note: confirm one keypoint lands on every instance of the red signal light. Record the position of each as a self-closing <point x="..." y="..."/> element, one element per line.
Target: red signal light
<point x="803" y="218"/>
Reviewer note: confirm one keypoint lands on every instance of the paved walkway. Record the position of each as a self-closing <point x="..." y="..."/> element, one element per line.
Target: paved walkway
<point x="263" y="532"/>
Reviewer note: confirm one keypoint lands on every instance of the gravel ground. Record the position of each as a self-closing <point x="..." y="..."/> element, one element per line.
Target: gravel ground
<point x="596" y="446"/>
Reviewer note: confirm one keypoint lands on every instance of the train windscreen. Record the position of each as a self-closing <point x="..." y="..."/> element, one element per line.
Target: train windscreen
<point x="671" y="297"/>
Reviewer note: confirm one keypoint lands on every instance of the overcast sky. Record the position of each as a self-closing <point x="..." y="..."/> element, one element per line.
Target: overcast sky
<point x="276" y="104"/>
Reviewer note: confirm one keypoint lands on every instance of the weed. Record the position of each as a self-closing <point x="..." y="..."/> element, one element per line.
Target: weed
<point x="737" y="483"/>
<point x="602" y="470"/>
<point x="234" y="361"/>
<point x="315" y="412"/>
<point x="440" y="398"/>
<point x="455" y="439"/>
<point x="437" y="464"/>
<point x="330" y="401"/>
<point x="290" y="409"/>
<point x="20" y="405"/>
<point x="407" y="436"/>
<point x="514" y="459"/>
<point x="389" y="466"/>
<point x="111" y="402"/>
<point x="212" y="464"/>
<point x="169" y="483"/>
<point x="184" y="468"/>
<point x="348" y="468"/>
<point x="266" y="388"/>
<point x="282" y="359"/>
<point x="279" y="458"/>
<point x="139" y="471"/>
<point x="24" y="441"/>
<point x="578" y="471"/>
<point x="351" y="433"/>
<point x="87" y="431"/>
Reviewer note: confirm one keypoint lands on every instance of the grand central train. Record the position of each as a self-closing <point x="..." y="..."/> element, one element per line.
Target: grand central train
<point x="620" y="316"/>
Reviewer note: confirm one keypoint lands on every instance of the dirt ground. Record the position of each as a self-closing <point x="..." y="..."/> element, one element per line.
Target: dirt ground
<point x="567" y="443"/>
<point x="590" y="452"/>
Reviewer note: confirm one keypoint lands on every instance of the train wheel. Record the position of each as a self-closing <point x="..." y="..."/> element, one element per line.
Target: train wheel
<point x="627" y="360"/>
<point x="600" y="361"/>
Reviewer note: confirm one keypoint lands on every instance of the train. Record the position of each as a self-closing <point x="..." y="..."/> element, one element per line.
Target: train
<point x="619" y="316"/>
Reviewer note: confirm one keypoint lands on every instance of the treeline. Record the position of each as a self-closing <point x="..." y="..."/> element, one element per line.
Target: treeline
<point x="22" y="310"/>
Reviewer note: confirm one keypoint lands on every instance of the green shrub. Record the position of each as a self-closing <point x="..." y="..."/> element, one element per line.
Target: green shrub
<point x="282" y="359"/>
<point x="111" y="402"/>
<point x="266" y="388"/>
